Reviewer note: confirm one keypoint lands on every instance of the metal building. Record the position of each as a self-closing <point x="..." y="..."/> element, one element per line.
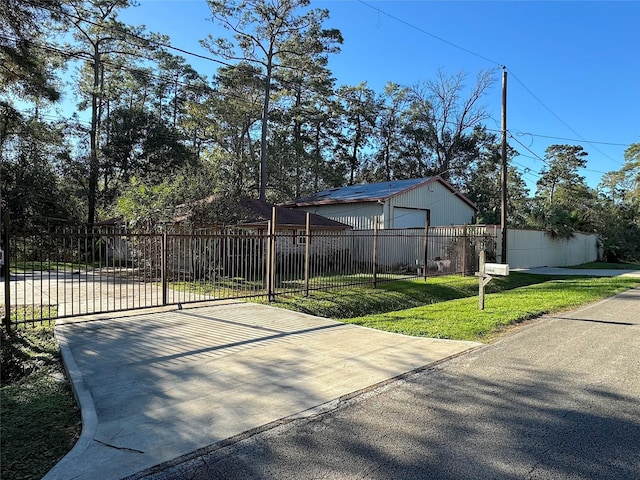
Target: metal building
<point x="397" y="204"/>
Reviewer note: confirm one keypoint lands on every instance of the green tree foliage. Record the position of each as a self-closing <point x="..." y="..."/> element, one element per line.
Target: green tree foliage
<point x="561" y="173"/>
<point x="233" y="127"/>
<point x="618" y="227"/>
<point x="442" y="115"/>
<point x="175" y="86"/>
<point x="623" y="185"/>
<point x="482" y="182"/>
<point x="32" y="188"/>
<point x="157" y="134"/>
<point x="139" y="144"/>
<point x="361" y="108"/>
<point x="144" y="207"/>
<point x="300" y="120"/>
<point x="387" y="164"/>
<point x="267" y="34"/>
<point x="104" y="41"/>
<point x="563" y="201"/>
<point x="191" y="198"/>
<point x="25" y="67"/>
<point x="618" y="219"/>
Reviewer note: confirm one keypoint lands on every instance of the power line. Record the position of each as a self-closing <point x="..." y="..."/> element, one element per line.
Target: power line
<point x="204" y="57"/>
<point x="131" y="34"/>
<point x="500" y="64"/>
<point x="521" y="133"/>
<point x="559" y="119"/>
<point x="88" y="57"/>
<point x="421" y="30"/>
<point x="167" y="45"/>
<point x="196" y="87"/>
<point x="152" y="41"/>
<point x="397" y="19"/>
<point x="526" y="170"/>
<point x="538" y="157"/>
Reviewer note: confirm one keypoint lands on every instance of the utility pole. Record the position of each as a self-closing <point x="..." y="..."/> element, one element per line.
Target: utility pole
<point x="503" y="216"/>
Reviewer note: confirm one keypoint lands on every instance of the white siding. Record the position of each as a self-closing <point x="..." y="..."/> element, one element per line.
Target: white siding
<point x="358" y="215"/>
<point x="535" y="248"/>
<point x="445" y="206"/>
<point x="409" y="217"/>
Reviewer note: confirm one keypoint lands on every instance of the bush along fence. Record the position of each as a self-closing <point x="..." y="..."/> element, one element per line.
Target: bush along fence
<point x="67" y="272"/>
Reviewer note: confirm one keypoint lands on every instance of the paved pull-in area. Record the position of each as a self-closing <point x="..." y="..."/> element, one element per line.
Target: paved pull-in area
<point x="155" y="386"/>
<point x="556" y="399"/>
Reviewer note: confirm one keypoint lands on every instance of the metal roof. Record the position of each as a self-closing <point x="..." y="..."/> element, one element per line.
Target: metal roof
<point x="361" y="193"/>
<point x="258" y="212"/>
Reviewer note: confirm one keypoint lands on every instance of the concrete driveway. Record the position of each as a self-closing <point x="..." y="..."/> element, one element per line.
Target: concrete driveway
<point x="91" y="291"/>
<point x="557" y="399"/>
<point x="155" y="386"/>
<point x="589" y="272"/>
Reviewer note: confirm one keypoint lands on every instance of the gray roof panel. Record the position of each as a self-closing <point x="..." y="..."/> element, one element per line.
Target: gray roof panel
<point x="355" y="193"/>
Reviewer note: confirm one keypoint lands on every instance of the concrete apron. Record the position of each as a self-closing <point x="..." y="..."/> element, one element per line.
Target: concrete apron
<point x="156" y="386"/>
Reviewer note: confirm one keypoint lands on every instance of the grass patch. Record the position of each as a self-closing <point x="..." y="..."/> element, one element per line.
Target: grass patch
<point x="228" y="287"/>
<point x="447" y="307"/>
<point x="234" y="286"/>
<point x="28" y="266"/>
<point x="462" y="320"/>
<point x="31" y="313"/>
<point x="39" y="418"/>
<point x="359" y="301"/>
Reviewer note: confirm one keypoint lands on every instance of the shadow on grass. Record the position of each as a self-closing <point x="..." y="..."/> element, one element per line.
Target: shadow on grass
<point x="40" y="420"/>
<point x="401" y="295"/>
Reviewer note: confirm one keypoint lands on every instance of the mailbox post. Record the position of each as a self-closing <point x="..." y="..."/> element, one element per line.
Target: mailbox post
<point x="485" y="275"/>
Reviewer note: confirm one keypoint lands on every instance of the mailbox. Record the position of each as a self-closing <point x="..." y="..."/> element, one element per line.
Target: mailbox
<point x="498" y="269"/>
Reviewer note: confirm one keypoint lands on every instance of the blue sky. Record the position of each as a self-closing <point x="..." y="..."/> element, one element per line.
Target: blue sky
<point x="574" y="66"/>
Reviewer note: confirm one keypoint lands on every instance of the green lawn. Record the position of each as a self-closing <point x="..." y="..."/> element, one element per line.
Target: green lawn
<point x="448" y="307"/>
<point x="38" y="414"/>
<point x="393" y="296"/>
<point x="31" y="313"/>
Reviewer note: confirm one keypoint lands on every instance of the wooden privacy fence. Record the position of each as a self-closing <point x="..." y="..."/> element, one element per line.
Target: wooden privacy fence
<point x="66" y="272"/>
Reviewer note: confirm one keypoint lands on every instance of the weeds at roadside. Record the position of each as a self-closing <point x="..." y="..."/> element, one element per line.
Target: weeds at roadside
<point x="38" y="415"/>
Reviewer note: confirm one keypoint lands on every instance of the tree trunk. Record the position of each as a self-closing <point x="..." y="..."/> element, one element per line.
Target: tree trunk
<point x="318" y="158"/>
<point x="175" y="101"/>
<point x="93" y="138"/>
<point x="298" y="147"/>
<point x="265" y="128"/>
<point x="354" y="157"/>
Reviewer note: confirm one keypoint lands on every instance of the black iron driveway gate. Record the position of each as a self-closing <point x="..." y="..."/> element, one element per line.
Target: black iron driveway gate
<point x="67" y="272"/>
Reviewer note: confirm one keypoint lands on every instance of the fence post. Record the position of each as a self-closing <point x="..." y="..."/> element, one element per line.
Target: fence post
<point x="464" y="250"/>
<point x="271" y="270"/>
<point x="6" y="271"/>
<point x="268" y="262"/>
<point x="306" y="254"/>
<point x="375" y="251"/>
<point x="481" y="277"/>
<point x="165" y="269"/>
<point x="426" y="249"/>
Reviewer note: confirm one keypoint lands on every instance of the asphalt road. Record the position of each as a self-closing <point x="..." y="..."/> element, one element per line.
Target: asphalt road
<point x="557" y="398"/>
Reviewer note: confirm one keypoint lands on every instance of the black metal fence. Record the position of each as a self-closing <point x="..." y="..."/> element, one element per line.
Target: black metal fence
<point x="67" y="272"/>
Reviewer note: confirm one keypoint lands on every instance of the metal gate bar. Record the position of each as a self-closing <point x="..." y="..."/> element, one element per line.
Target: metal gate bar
<point x="67" y="272"/>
